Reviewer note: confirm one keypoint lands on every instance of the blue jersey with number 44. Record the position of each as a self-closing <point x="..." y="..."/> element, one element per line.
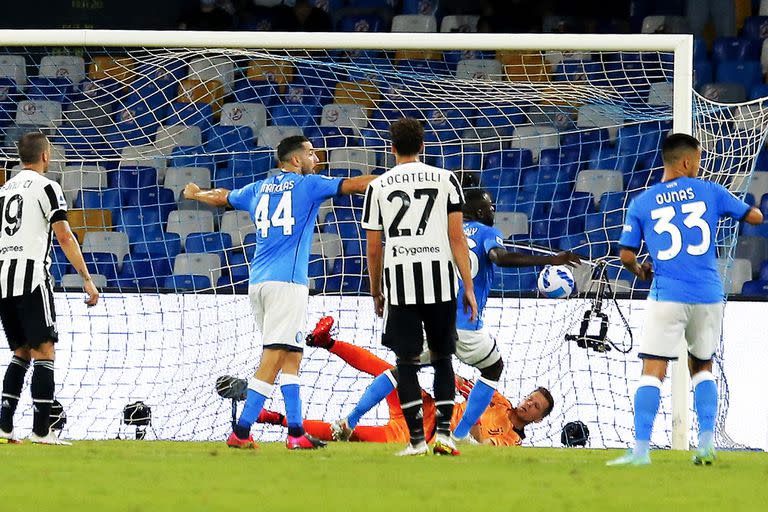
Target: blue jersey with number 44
<point x="678" y="221"/>
<point x="481" y="239"/>
<point x="283" y="208"/>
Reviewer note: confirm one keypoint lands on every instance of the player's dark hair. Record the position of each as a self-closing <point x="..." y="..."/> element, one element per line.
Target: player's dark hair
<point x="675" y="145"/>
<point x="544" y="391"/>
<point x="32" y="145"/>
<point x="288" y="145"/>
<point x="407" y="136"/>
<point x="472" y="196"/>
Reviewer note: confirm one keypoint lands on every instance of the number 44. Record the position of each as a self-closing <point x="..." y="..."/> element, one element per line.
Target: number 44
<point x="282" y="217"/>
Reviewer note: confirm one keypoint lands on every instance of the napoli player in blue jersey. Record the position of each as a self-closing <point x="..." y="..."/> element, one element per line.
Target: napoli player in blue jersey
<point x="677" y="218"/>
<point x="475" y="347"/>
<point x="283" y="208"/>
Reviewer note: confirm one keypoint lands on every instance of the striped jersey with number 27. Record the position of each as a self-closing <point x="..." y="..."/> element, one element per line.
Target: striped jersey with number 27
<point x="410" y="203"/>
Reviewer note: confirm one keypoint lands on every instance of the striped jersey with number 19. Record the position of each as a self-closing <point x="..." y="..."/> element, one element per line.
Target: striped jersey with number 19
<point x="411" y="203"/>
<point x="29" y="204"/>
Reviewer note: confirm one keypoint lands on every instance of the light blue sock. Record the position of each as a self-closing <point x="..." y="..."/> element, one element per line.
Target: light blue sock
<point x="647" y="398"/>
<point x="258" y="392"/>
<point x="289" y="385"/>
<point x="705" y="403"/>
<point x="381" y="386"/>
<point x="477" y="403"/>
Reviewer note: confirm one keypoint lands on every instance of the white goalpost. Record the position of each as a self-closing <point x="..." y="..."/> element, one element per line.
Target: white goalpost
<point x="562" y="129"/>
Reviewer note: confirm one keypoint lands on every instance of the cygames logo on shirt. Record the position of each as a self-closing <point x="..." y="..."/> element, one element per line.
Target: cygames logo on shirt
<point x="399" y="250"/>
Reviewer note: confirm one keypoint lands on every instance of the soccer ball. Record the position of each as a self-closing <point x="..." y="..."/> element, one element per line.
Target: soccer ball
<point x="556" y="282"/>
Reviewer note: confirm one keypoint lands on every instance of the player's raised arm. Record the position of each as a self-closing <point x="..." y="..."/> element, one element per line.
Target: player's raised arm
<point x="356" y="185"/>
<point x="505" y="258"/>
<point x="460" y="251"/>
<point x="214" y="197"/>
<point x="71" y="248"/>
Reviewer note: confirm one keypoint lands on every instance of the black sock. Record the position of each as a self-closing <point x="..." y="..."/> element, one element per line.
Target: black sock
<point x="445" y="391"/>
<point x="409" y="392"/>
<point x="12" y="384"/>
<point x="42" y="396"/>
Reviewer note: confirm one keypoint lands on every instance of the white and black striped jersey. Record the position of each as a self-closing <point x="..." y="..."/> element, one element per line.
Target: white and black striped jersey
<point x="29" y="204"/>
<point x="411" y="203"/>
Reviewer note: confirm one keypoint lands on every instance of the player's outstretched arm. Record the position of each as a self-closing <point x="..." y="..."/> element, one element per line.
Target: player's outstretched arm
<point x="214" y="197"/>
<point x="753" y="216"/>
<point x="505" y="258"/>
<point x="629" y="260"/>
<point x="71" y="248"/>
<point x="460" y="250"/>
<point x="356" y="185"/>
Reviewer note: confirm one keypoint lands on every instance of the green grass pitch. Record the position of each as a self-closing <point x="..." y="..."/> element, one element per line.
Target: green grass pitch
<point x="140" y="476"/>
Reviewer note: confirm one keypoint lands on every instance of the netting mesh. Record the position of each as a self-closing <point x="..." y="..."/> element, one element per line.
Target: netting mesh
<point x="561" y="140"/>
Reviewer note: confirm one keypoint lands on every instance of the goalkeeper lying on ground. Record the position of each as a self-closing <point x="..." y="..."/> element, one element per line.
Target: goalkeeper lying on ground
<point x="501" y="424"/>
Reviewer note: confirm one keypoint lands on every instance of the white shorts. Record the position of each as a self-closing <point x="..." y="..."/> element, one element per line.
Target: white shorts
<point x="475" y="348"/>
<point x="667" y="323"/>
<point x="280" y="310"/>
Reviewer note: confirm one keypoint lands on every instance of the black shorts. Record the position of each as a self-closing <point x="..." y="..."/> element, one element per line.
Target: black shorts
<point x="29" y="320"/>
<point x="406" y="326"/>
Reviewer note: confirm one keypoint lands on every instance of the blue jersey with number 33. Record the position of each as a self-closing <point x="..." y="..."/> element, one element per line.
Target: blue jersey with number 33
<point x="283" y="208"/>
<point x="481" y="239"/>
<point x="678" y="221"/>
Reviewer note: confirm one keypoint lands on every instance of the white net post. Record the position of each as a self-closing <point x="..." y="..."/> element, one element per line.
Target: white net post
<point x="682" y="122"/>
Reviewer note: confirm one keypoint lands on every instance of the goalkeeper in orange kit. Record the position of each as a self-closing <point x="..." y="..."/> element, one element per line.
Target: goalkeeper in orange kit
<point x="501" y="424"/>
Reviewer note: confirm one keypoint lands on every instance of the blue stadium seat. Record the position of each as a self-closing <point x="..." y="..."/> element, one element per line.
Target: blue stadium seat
<point x="253" y="91"/>
<point x="755" y="288"/>
<point x="580" y="71"/>
<point x="763" y="273"/>
<point x="160" y="199"/>
<point x="138" y="222"/>
<point x="316" y="266"/>
<point x="585" y="142"/>
<point x="126" y="133"/>
<point x="132" y="178"/>
<point x="466" y="158"/>
<point x="573" y="211"/>
<point x="361" y="23"/>
<point x="503" y="119"/>
<point x="515" y="279"/>
<point x="548" y="232"/>
<point x="142" y="270"/>
<point x="758" y="230"/>
<point x="238" y="268"/>
<point x="608" y="158"/>
<point x="80" y="141"/>
<point x="566" y="162"/>
<point x="736" y="48"/>
<point x="525" y="203"/>
<point x="243" y="169"/>
<point x="106" y="199"/>
<point x="192" y="156"/>
<point x="509" y="159"/>
<point x="746" y="73"/>
<point x="187" y="282"/>
<point x="764" y="205"/>
<point x="214" y="243"/>
<point x="546" y="184"/>
<point x="191" y="114"/>
<point x="613" y="201"/>
<point x="295" y="114"/>
<point x="702" y="73"/>
<point x="755" y="27"/>
<point x="758" y="91"/>
<point x="104" y="263"/>
<point x="59" y="263"/>
<point x="162" y="245"/>
<point x="328" y="137"/>
<point x="229" y="139"/>
<point x="50" y="89"/>
<point x="155" y="94"/>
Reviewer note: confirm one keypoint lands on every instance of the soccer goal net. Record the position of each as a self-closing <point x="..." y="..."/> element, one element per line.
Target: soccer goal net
<point x="562" y="131"/>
